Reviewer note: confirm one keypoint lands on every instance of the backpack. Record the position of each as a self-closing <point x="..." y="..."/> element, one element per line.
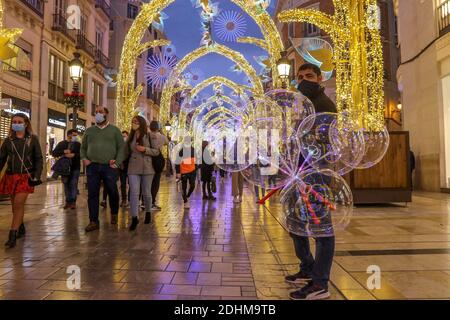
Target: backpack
<point x="63" y="165"/>
<point x="158" y="161"/>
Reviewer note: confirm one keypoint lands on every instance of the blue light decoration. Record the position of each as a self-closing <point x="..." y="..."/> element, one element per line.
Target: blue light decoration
<point x="230" y="25"/>
<point x="262" y="5"/>
<point x="170" y="50"/>
<point x="158" y="69"/>
<point x="111" y="76"/>
<point x="236" y="69"/>
<point x="158" y="22"/>
<point x="194" y="76"/>
<point x="316" y="51"/>
<point x="264" y="63"/>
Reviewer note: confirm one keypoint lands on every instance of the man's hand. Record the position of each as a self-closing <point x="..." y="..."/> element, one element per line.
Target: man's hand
<point x="112" y="164"/>
<point x="86" y="162"/>
<point x="140" y="148"/>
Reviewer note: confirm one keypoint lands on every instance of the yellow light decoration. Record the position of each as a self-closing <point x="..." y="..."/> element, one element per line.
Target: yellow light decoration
<point x="148" y="13"/>
<point x="325" y="56"/>
<point x="255" y="41"/>
<point x="269" y="31"/>
<point x="170" y="87"/>
<point x="237" y="88"/>
<point x="358" y="57"/>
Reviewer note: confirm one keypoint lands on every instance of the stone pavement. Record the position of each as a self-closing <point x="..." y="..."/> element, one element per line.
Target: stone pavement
<point x="216" y="250"/>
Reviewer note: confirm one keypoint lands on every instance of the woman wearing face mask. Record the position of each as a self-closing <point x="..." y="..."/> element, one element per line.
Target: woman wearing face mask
<point x="139" y="152"/>
<point x="21" y="153"/>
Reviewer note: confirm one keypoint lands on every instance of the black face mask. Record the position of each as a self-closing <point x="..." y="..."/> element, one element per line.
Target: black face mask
<point x="309" y="88"/>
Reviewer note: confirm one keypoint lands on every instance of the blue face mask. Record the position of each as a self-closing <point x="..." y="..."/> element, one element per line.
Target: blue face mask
<point x="99" y="118"/>
<point x="18" y="127"/>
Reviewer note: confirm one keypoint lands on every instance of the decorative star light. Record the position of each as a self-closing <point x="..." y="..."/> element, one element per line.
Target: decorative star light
<point x="262" y="5"/>
<point x="158" y="69"/>
<point x="170" y="50"/>
<point x="158" y="23"/>
<point x="230" y="25"/>
<point x="111" y="76"/>
<point x="235" y="68"/>
<point x="194" y="76"/>
<point x="264" y="62"/>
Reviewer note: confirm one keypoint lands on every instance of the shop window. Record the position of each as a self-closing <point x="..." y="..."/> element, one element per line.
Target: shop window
<point x="21" y="64"/>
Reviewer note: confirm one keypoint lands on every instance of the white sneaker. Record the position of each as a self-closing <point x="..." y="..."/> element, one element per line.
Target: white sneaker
<point x="186" y="205"/>
<point x="236" y="199"/>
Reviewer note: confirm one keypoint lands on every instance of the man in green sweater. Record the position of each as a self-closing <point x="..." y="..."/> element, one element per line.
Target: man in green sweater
<point x="102" y="152"/>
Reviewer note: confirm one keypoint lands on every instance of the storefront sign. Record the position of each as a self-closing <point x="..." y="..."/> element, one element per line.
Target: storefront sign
<point x="56" y="119"/>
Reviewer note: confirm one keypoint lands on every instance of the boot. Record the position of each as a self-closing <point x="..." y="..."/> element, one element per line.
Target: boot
<point x="21" y="232"/>
<point x="148" y="218"/>
<point x="134" y="223"/>
<point x="11" y="243"/>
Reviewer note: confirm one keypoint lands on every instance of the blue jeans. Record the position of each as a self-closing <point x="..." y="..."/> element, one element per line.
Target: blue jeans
<point x="140" y="183"/>
<point x="317" y="268"/>
<point x="71" y="186"/>
<point x="96" y="173"/>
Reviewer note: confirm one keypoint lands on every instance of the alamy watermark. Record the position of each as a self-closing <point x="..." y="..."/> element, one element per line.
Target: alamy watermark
<point x="73" y="17"/>
<point x="374" y="280"/>
<point x="73" y="282"/>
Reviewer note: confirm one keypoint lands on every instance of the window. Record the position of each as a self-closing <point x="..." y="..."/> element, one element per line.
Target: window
<point x="83" y="24"/>
<point x="57" y="78"/>
<point x="291" y="30"/>
<point x="311" y="30"/>
<point x="111" y="25"/>
<point x="99" y="40"/>
<point x="60" y="7"/>
<point x="21" y="67"/>
<point x="97" y="96"/>
<point x="132" y="11"/>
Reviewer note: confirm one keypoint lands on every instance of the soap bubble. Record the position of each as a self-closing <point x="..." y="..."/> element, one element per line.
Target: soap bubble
<point x="317" y="204"/>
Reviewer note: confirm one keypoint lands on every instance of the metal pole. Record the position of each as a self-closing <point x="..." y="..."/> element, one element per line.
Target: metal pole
<point x="75" y="109"/>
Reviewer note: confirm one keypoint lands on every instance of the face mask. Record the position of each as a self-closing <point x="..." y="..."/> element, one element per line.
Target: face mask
<point x="125" y="139"/>
<point x="18" y="127"/>
<point x="99" y="118"/>
<point x="308" y="88"/>
<point x="135" y="126"/>
<point x="75" y="139"/>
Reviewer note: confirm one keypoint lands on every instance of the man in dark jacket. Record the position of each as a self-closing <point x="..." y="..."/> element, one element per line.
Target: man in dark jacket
<point x="314" y="272"/>
<point x="70" y="148"/>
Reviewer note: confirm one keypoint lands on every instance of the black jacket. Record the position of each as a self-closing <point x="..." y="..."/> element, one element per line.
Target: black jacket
<point x="33" y="159"/>
<point x="322" y="103"/>
<point x="74" y="147"/>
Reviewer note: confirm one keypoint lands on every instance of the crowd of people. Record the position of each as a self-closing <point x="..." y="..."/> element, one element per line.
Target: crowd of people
<point x="135" y="160"/>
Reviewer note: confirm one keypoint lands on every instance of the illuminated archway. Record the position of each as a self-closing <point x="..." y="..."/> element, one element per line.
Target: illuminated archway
<point x="127" y="93"/>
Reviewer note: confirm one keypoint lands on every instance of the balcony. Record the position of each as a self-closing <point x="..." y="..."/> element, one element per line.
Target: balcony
<point x="84" y="44"/>
<point x="106" y="8"/>
<point x="101" y="58"/>
<point x="36" y="5"/>
<point x="443" y="16"/>
<point x="23" y="73"/>
<point x="60" y="25"/>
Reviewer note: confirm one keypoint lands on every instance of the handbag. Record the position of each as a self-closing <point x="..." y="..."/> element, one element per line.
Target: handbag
<point x="62" y="166"/>
<point x="32" y="182"/>
<point x="213" y="185"/>
<point x="158" y="161"/>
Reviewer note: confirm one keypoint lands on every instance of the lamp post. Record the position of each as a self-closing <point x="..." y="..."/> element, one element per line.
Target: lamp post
<point x="75" y="72"/>
<point x="284" y="69"/>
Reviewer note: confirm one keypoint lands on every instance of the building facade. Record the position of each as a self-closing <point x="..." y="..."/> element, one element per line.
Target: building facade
<point x="388" y="29"/>
<point x="51" y="35"/>
<point x="123" y="14"/>
<point x="424" y="81"/>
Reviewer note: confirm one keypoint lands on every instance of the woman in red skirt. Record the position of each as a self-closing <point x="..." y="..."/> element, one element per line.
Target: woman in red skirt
<point x="22" y="155"/>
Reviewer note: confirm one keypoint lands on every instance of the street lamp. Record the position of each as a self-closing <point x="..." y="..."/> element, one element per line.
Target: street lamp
<point x="75" y="72"/>
<point x="284" y="68"/>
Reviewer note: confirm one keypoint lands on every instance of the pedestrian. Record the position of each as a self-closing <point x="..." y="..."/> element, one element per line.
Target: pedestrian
<point x="206" y="171"/>
<point x="159" y="162"/>
<point x="237" y="187"/>
<point x="139" y="151"/>
<point x="186" y="169"/>
<point x="22" y="155"/>
<point x="314" y="271"/>
<point x="123" y="175"/>
<point x="70" y="148"/>
<point x="102" y="152"/>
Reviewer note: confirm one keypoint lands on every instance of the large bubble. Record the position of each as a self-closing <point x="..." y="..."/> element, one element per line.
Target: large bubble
<point x="317" y="204"/>
<point x="376" y="146"/>
<point x="295" y="106"/>
<point x="330" y="141"/>
<point x="273" y="157"/>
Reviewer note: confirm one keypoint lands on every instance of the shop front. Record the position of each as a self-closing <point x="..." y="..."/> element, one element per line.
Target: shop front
<point x="56" y="130"/>
<point x="15" y="105"/>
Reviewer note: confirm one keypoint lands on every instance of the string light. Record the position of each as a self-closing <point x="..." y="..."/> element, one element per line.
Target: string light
<point x="358" y="57"/>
